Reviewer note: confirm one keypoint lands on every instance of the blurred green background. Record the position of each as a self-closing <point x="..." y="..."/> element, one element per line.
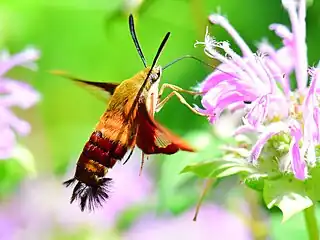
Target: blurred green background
<point x="91" y="40"/>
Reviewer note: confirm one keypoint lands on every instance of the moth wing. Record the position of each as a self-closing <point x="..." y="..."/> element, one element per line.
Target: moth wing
<point x="96" y="88"/>
<point x="153" y="138"/>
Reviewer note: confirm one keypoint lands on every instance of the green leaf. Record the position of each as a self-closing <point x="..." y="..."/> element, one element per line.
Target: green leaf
<point x="255" y="181"/>
<point x="205" y="169"/>
<point x="287" y="193"/>
<point x="220" y="168"/>
<point x="312" y="184"/>
<point x="25" y="158"/>
<point x="228" y="171"/>
<point x="11" y="173"/>
<point x="295" y="227"/>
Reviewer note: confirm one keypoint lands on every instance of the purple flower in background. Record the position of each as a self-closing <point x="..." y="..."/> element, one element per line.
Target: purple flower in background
<point x="259" y="84"/>
<point x="214" y="221"/>
<point x="128" y="188"/>
<point x="14" y="94"/>
<point x="41" y="207"/>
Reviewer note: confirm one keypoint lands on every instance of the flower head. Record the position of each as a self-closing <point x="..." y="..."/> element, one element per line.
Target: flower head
<point x="259" y="83"/>
<point x="14" y="94"/>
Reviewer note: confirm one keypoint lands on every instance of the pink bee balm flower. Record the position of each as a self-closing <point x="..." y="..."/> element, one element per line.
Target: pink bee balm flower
<point x="14" y="94"/>
<point x="259" y="84"/>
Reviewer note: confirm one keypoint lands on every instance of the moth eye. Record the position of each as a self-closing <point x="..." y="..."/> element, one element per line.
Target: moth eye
<point x="154" y="77"/>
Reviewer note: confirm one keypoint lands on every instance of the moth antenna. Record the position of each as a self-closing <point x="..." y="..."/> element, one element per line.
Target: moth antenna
<point x="204" y="63"/>
<point x="186" y="57"/>
<point x="136" y="100"/>
<point x="165" y="39"/>
<point x="199" y="60"/>
<point x="135" y="40"/>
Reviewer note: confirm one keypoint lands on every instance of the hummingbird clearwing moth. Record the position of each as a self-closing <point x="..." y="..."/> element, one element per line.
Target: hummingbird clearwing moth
<point x="127" y="122"/>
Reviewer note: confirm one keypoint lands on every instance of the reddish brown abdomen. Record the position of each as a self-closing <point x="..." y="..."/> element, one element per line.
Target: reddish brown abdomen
<point x="102" y="150"/>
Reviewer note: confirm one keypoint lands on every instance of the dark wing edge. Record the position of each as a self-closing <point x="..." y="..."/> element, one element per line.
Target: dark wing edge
<point x="105" y="86"/>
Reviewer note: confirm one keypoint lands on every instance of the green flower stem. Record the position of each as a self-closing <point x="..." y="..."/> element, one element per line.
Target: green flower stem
<point x="311" y="222"/>
<point x="208" y="184"/>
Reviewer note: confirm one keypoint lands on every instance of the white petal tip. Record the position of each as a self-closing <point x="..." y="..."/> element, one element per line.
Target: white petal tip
<point x="217" y="18"/>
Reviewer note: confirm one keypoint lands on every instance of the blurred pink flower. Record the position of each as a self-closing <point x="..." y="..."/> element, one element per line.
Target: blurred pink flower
<point x="14" y="94"/>
<point x="213" y="223"/>
<point x="41" y="206"/>
<point x="6" y="227"/>
<point x="128" y="187"/>
<point x="259" y="83"/>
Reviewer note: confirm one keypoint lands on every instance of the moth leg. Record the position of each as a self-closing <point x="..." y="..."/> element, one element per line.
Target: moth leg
<point x="176" y="88"/>
<point x="142" y="162"/>
<point x="130" y="154"/>
<point x="181" y="99"/>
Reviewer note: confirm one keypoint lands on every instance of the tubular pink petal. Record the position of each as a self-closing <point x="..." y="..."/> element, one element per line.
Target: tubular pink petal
<point x="226" y="100"/>
<point x="21" y="94"/>
<point x="267" y="76"/>
<point x="302" y="11"/>
<point x="244" y="129"/>
<point x="299" y="38"/>
<point x="311" y="111"/>
<point x="10" y="120"/>
<point x="27" y="56"/>
<point x="211" y="97"/>
<point x="252" y="71"/>
<point x="247" y="64"/>
<point x="299" y="167"/>
<point x="208" y="111"/>
<point x="316" y="132"/>
<point x="258" y="146"/>
<point x="283" y="32"/>
<point x="267" y="133"/>
<point x="242" y="69"/>
<point x="315" y="80"/>
<point x="280" y="65"/>
<point x="280" y="61"/>
<point x="7" y="142"/>
<point x="214" y="79"/>
<point x="216" y="107"/>
<point x="14" y="93"/>
<point x="258" y="112"/>
<point x="222" y="21"/>
<point x="236" y="106"/>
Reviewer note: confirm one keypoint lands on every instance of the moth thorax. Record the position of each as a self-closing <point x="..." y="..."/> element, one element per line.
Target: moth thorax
<point x="152" y="98"/>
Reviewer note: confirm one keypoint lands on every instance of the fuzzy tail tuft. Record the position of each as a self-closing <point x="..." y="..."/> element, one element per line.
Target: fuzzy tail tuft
<point x="70" y="182"/>
<point x="90" y="197"/>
